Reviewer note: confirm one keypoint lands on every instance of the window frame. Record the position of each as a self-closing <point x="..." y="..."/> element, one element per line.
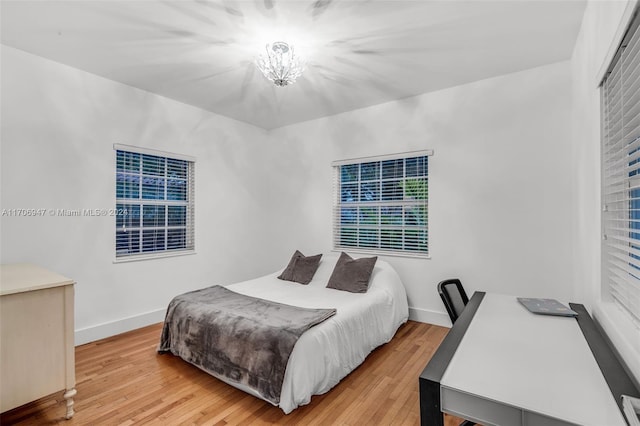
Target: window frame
<point x="188" y="204"/>
<point x="404" y="203"/>
<point x="620" y="175"/>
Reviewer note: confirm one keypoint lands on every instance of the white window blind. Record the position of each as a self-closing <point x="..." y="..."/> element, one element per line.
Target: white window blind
<point x="381" y="204"/>
<point x="620" y="104"/>
<point x="154" y="203"/>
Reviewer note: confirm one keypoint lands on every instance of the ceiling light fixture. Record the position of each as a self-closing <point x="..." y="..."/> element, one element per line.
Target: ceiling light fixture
<point x="280" y="64"/>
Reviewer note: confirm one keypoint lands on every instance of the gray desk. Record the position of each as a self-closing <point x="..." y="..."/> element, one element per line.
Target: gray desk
<point x="502" y="365"/>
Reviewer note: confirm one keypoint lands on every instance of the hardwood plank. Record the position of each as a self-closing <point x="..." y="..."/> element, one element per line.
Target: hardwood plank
<point x="122" y="380"/>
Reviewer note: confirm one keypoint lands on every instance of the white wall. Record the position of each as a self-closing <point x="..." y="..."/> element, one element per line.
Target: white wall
<point x="500" y="188"/>
<point x="500" y="183"/>
<point x="59" y="125"/>
<point x="602" y="29"/>
<point x="514" y="184"/>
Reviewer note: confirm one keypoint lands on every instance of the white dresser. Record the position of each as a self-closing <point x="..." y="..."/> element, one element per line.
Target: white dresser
<point x="37" y="354"/>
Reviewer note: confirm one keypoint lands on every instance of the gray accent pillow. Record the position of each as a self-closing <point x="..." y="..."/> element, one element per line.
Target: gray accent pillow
<point x="352" y="275"/>
<point x="301" y="268"/>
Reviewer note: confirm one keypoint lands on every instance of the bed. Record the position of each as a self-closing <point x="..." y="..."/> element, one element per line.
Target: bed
<point x="330" y="350"/>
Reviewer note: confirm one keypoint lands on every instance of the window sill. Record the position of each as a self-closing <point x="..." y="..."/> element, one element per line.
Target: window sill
<point x="382" y="253"/>
<point x="621" y="331"/>
<point x="141" y="257"/>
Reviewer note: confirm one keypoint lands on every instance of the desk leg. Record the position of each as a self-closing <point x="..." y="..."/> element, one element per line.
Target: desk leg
<point x="68" y="395"/>
<point x="430" y="414"/>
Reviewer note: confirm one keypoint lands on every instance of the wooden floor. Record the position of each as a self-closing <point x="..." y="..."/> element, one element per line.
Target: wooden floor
<point x="123" y="381"/>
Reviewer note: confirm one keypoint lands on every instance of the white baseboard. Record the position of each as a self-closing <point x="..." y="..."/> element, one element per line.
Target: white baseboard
<point x="429" y="317"/>
<point x="108" y="329"/>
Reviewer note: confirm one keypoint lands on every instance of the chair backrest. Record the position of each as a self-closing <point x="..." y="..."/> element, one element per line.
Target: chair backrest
<point x="453" y="296"/>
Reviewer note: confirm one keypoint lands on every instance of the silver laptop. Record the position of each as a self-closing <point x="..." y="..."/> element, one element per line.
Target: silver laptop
<point x="547" y="307"/>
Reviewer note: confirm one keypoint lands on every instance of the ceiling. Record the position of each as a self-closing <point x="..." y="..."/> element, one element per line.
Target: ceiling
<point x="358" y="53"/>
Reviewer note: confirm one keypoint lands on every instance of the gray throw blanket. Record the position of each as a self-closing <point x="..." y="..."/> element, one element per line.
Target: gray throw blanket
<point x="241" y="338"/>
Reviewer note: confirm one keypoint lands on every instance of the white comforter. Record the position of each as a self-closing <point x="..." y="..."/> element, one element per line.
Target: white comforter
<point x="329" y="351"/>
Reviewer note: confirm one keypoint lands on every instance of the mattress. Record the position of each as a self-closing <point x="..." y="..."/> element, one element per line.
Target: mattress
<point x="328" y="352"/>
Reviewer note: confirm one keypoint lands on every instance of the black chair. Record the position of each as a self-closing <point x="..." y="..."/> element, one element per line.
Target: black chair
<point x="453" y="296"/>
<point x="455" y="299"/>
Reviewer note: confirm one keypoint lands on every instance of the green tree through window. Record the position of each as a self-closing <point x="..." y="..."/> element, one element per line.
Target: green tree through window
<point x="383" y="205"/>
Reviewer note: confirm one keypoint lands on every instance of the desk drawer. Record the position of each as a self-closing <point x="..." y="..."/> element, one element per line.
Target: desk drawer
<point x="491" y="413"/>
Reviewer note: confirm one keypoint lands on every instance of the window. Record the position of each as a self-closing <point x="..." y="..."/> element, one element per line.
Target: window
<point x="621" y="176"/>
<point x="381" y="204"/>
<point x="154" y="202"/>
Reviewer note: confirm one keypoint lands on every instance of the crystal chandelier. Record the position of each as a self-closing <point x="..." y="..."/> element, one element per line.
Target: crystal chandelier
<point x="280" y="64"/>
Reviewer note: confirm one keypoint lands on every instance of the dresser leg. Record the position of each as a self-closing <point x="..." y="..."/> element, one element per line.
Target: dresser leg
<point x="68" y="395"/>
